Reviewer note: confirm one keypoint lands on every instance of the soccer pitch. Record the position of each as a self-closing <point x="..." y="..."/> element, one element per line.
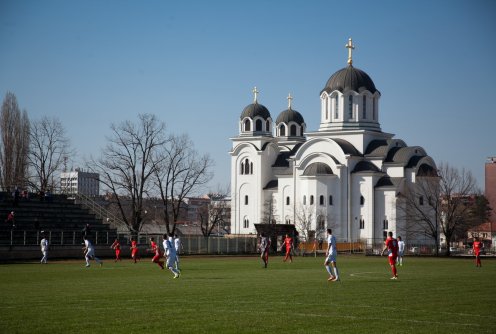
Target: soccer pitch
<point x="237" y="295"/>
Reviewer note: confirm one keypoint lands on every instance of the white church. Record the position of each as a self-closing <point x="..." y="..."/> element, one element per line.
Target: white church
<point x="346" y="175"/>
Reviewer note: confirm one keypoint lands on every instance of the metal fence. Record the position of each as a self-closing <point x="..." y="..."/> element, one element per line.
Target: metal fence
<point x="231" y="244"/>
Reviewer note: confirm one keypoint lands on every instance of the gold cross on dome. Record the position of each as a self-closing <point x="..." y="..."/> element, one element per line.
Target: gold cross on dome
<point x="255" y="93"/>
<point x="289" y="100"/>
<point x="350" y="48"/>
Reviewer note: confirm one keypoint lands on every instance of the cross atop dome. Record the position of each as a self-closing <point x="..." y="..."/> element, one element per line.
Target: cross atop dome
<point x="350" y="48"/>
<point x="255" y="93"/>
<point x="289" y="100"/>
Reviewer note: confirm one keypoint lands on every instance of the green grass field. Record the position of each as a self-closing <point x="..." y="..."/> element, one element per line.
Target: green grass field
<point x="236" y="295"/>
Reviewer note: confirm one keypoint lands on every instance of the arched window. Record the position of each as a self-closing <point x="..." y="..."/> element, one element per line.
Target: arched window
<point x="246" y="199"/>
<point x="374" y="112"/>
<point x="326" y="109"/>
<point x="385" y="224"/>
<point x="336" y="107"/>
<point x="362" y="200"/>
<point x="350" y="106"/>
<point x="321" y="200"/>
<point x="330" y="199"/>
<point x="258" y="125"/>
<point x="421" y="200"/>
<point x="242" y="167"/>
<point x="288" y="221"/>
<point x="267" y="125"/>
<point x="247" y="167"/>
<point x="292" y="130"/>
<point x="311" y="199"/>
<point x="287" y="200"/>
<point x="282" y="130"/>
<point x="364" y="107"/>
<point x="321" y="223"/>
<point x="247" y="125"/>
<point x="362" y="223"/>
<point x="304" y="200"/>
<point x="246" y="223"/>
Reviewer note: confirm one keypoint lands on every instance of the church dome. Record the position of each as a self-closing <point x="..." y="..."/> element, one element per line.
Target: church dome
<point x="255" y="109"/>
<point x="350" y="78"/>
<point x="290" y="115"/>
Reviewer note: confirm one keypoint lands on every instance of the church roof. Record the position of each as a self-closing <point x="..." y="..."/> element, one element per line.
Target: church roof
<point x="377" y="148"/>
<point x="387" y="181"/>
<point x="365" y="166"/>
<point x="282" y="158"/>
<point x="427" y="170"/>
<point x="346" y="146"/>
<point x="290" y="115"/>
<point x="349" y="78"/>
<point x="255" y="109"/>
<point x="272" y="184"/>
<point x="317" y="168"/>
<point x="404" y="154"/>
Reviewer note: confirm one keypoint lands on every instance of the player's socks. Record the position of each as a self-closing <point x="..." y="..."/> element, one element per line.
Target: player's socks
<point x="328" y="268"/>
<point x="336" y="273"/>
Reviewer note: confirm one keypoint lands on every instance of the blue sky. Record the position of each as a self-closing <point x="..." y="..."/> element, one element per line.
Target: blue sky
<point x="195" y="63"/>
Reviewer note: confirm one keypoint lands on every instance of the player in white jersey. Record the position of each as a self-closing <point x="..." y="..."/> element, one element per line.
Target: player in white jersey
<point x="170" y="253"/>
<point x="401" y="251"/>
<point x="44" y="249"/>
<point x="89" y="252"/>
<point x="178" y="246"/>
<point x="331" y="255"/>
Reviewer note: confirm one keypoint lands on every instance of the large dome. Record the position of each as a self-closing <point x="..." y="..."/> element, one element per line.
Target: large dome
<point x="255" y="109"/>
<point x="350" y="78"/>
<point x="290" y="115"/>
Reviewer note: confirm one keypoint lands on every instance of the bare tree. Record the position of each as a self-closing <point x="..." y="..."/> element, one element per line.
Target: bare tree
<point x="269" y="214"/>
<point x="304" y="217"/>
<point x="459" y="207"/>
<point x="440" y="204"/>
<point x="213" y="215"/>
<point x="14" y="148"/>
<point x="48" y="148"/>
<point x="180" y="172"/>
<point x="127" y="164"/>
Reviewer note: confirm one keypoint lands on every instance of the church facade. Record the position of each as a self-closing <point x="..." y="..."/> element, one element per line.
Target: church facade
<point x="347" y="175"/>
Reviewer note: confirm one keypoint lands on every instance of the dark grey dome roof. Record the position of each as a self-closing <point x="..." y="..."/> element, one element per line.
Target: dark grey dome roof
<point x="317" y="168"/>
<point x="255" y="109"/>
<point x="350" y="78"/>
<point x="290" y="115"/>
<point x="365" y="166"/>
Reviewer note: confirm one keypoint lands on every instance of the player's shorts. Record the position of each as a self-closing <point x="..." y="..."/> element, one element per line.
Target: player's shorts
<point x="170" y="261"/>
<point x="90" y="254"/>
<point x="400" y="253"/>
<point x="331" y="258"/>
<point x="392" y="259"/>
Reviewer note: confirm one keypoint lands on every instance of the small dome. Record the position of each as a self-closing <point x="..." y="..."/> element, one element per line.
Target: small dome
<point x="350" y="78"/>
<point x="290" y="115"/>
<point x="255" y="109"/>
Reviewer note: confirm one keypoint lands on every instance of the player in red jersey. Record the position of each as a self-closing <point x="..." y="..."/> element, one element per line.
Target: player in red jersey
<point x="288" y="243"/>
<point x="158" y="253"/>
<point x="117" y="247"/>
<point x="134" y="250"/>
<point x="391" y="245"/>
<point x="477" y="246"/>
